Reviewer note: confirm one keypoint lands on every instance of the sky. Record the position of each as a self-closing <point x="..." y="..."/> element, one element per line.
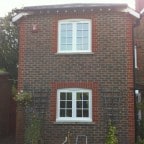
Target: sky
<point x="7" y="5"/>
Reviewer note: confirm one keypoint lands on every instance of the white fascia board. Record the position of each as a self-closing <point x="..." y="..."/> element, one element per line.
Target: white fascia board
<point x="132" y="12"/>
<point x="19" y="16"/>
<point x="142" y="11"/>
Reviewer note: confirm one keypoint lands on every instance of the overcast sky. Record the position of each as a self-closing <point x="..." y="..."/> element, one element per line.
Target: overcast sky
<point x="7" y="5"/>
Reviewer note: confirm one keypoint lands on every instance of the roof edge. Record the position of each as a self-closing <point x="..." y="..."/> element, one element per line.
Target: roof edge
<point x="29" y="10"/>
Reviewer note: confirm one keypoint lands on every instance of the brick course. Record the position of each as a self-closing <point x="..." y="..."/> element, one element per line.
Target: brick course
<point x="108" y="71"/>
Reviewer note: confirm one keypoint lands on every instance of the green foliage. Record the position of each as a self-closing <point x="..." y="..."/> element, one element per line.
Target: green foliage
<point x="111" y="137"/>
<point x="2" y="70"/>
<point x="9" y="46"/>
<point x="23" y="98"/>
<point x="33" y="131"/>
<point x="140" y="141"/>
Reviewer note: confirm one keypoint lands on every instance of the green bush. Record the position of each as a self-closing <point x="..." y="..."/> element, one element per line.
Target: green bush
<point x="111" y="137"/>
<point x="33" y="131"/>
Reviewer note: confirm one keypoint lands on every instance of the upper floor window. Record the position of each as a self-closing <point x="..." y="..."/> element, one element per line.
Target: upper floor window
<point x="74" y="36"/>
<point x="74" y="105"/>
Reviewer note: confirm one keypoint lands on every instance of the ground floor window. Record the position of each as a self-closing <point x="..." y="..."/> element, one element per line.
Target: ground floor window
<point x="74" y="105"/>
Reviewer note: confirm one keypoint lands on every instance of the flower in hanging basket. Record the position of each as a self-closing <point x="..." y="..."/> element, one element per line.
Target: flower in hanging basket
<point x="23" y="98"/>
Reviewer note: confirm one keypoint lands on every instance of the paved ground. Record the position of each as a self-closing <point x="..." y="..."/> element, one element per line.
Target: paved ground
<point x="7" y="140"/>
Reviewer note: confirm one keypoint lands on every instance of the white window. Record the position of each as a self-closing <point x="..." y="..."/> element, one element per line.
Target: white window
<point x="74" y="105"/>
<point x="74" y="36"/>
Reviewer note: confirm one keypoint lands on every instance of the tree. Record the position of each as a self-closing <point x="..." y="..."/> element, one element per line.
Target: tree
<point x="9" y="46"/>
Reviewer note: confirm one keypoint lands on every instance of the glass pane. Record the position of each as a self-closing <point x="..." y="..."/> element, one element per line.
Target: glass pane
<point x="85" y="96"/>
<point x="85" y="26"/>
<point x="85" y="113"/>
<point x="79" y="47"/>
<point x="85" y="33"/>
<point x="69" y="113"/>
<point x="79" y="26"/>
<point x="79" y="40"/>
<point x="85" y="104"/>
<point x="63" y="27"/>
<point x="69" y="96"/>
<point x="63" y="40"/>
<point x="79" y="33"/>
<point x="79" y="104"/>
<point x="85" y="47"/>
<point x="79" y="113"/>
<point x="79" y="96"/>
<point x="62" y="96"/>
<point x="69" y="26"/>
<point x="69" y="40"/>
<point x="69" y="104"/>
<point x="62" y="104"/>
<point x="63" y="33"/>
<point x="69" y="47"/>
<point x="63" y="47"/>
<point x="69" y="33"/>
<point x="62" y="113"/>
<point x="85" y="40"/>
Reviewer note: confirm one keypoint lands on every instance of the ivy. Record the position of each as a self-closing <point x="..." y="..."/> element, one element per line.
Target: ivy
<point x="111" y="137"/>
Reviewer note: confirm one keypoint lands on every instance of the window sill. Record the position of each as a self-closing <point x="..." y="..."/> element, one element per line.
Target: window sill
<point x="74" y="123"/>
<point x="75" y="53"/>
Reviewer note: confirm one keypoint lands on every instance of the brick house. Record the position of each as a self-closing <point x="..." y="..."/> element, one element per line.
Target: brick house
<point x="139" y="65"/>
<point x="77" y="60"/>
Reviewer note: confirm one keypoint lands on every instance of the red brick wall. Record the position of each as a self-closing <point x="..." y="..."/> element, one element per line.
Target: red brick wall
<point x="108" y="68"/>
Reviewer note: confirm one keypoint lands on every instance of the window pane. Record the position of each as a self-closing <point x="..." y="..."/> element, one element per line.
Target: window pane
<point x="85" y="26"/>
<point x="79" y="104"/>
<point x="79" y="96"/>
<point x="69" y="104"/>
<point x="62" y="104"/>
<point x="69" y="47"/>
<point x="79" y="113"/>
<point x="69" y="113"/>
<point x="69" y="33"/>
<point x="85" y="96"/>
<point x="69" y="40"/>
<point x="63" y="47"/>
<point x="79" y="40"/>
<point x="85" y="40"/>
<point x="79" y="47"/>
<point x="79" y="33"/>
<point x="63" y="34"/>
<point x="63" y="27"/>
<point x="85" y="33"/>
<point x="85" y="47"/>
<point x="85" y="113"/>
<point x="62" y="96"/>
<point x="69" y="26"/>
<point x="63" y="40"/>
<point x="62" y="113"/>
<point x="69" y="96"/>
<point x="79" y="26"/>
<point x="85" y="104"/>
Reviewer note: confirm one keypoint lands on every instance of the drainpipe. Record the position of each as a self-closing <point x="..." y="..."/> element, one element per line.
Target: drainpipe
<point x="134" y="79"/>
<point x="65" y="141"/>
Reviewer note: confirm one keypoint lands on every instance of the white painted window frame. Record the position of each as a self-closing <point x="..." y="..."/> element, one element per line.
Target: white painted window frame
<point x="74" y="118"/>
<point x="74" y="22"/>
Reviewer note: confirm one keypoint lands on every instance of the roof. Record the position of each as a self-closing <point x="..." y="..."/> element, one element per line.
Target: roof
<point x="73" y="5"/>
<point x="31" y="9"/>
